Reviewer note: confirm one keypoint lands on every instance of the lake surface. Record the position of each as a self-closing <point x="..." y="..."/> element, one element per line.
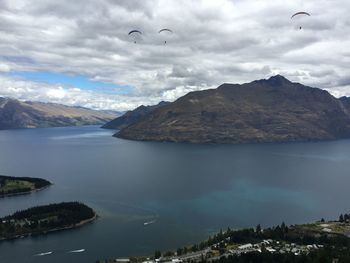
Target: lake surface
<point x="185" y="192"/>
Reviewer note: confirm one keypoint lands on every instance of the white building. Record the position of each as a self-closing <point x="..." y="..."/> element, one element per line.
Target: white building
<point x="271" y="250"/>
<point x="246" y="246"/>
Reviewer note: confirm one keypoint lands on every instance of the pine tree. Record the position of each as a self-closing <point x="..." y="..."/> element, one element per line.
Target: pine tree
<point x="258" y="229"/>
<point x="157" y="254"/>
<point x="341" y="218"/>
<point x="283" y="227"/>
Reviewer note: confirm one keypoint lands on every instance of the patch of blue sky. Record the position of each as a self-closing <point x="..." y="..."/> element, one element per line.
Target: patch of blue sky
<point x="76" y="81"/>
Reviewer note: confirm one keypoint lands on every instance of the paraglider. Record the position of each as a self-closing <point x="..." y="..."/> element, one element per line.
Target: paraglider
<point x="300" y="14"/>
<point x="165" y="30"/>
<point x="135" y="34"/>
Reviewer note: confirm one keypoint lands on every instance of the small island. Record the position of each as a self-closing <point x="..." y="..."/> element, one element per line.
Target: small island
<point x="44" y="219"/>
<point x="10" y="186"/>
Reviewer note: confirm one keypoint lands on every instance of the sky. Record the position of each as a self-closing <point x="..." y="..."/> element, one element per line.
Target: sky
<point x="79" y="52"/>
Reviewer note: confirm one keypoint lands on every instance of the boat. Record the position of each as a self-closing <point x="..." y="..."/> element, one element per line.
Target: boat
<point x="149" y="222"/>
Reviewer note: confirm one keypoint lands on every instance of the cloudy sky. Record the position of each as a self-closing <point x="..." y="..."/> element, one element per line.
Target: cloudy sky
<point x="79" y="52"/>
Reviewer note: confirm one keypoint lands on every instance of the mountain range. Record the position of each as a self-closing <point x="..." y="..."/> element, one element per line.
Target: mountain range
<point x="267" y="110"/>
<point x="133" y="116"/>
<point x="16" y="114"/>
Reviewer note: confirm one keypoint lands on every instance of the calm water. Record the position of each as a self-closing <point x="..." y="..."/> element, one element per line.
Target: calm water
<point x="187" y="191"/>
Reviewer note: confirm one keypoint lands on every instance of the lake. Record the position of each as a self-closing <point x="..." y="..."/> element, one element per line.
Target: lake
<point x="182" y="192"/>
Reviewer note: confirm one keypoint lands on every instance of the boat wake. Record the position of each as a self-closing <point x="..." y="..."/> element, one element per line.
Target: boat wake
<point x="153" y="214"/>
<point x="77" y="251"/>
<point x="43" y="254"/>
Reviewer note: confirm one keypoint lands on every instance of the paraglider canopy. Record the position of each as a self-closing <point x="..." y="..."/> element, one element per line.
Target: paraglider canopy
<point x="300" y="13"/>
<point x="134" y="31"/>
<point x="134" y="34"/>
<point x="165" y="29"/>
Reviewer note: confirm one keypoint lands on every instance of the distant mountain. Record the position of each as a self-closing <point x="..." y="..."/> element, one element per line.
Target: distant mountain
<point x="130" y="117"/>
<point x="272" y="110"/>
<point x="346" y="103"/>
<point x="16" y="114"/>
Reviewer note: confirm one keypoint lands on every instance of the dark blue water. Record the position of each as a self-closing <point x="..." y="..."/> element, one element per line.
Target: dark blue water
<point x="187" y="191"/>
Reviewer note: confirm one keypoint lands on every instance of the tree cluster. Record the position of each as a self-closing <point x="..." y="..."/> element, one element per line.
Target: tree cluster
<point x="40" y="219"/>
<point x="344" y="218"/>
<point x="15" y="191"/>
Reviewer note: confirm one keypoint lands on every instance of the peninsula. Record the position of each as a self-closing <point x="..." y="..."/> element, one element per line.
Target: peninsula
<point x="45" y="219"/>
<point x="10" y="186"/>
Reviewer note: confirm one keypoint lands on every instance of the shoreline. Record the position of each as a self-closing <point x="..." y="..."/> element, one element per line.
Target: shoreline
<point x="27" y="192"/>
<point x="220" y="143"/>
<point x="77" y="225"/>
<point x="98" y="125"/>
<point x="304" y="239"/>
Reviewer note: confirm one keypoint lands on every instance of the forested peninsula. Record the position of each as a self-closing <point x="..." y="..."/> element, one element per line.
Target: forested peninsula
<point x="45" y="219"/>
<point x="10" y="185"/>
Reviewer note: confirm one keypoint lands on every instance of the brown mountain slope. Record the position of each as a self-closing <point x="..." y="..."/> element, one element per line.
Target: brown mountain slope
<point x="15" y="114"/>
<point x="133" y="116"/>
<point x="273" y="110"/>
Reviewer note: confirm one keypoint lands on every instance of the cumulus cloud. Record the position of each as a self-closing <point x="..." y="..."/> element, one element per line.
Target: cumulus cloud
<point x="28" y="90"/>
<point x="213" y="42"/>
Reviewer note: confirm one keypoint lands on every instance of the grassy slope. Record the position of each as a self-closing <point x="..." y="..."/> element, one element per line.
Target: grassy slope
<point x="17" y="185"/>
<point x="10" y="185"/>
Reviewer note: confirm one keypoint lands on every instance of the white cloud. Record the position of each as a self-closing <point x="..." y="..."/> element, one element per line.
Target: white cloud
<point x="27" y="90"/>
<point x="56" y="93"/>
<point x="4" y="67"/>
<point x="213" y="42"/>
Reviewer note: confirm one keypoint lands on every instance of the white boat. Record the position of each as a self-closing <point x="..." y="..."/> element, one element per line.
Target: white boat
<point x="149" y="222"/>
